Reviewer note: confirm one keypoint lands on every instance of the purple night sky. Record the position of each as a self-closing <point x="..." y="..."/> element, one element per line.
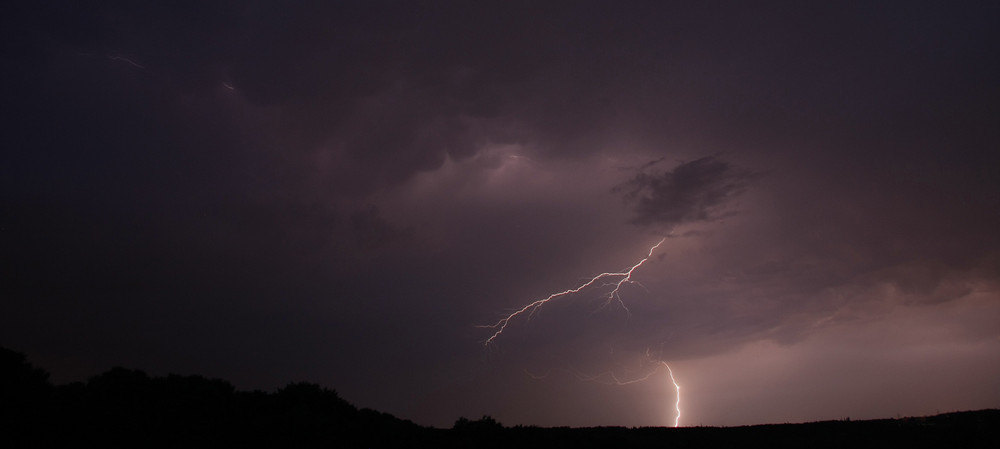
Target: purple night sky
<point x="341" y="192"/>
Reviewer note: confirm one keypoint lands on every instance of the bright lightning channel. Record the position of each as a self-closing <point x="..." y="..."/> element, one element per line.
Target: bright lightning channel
<point x="677" y="404"/>
<point x="624" y="276"/>
<point x="616" y="380"/>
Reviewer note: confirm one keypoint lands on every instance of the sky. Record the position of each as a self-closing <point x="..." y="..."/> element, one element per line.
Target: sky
<point x="352" y="193"/>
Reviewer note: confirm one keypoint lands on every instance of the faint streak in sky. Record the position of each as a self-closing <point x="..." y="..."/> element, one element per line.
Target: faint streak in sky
<point x="122" y="58"/>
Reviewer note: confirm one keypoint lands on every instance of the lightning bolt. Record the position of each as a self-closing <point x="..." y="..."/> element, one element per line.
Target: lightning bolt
<point x="122" y="58"/>
<point x="623" y="277"/>
<point x="616" y="380"/>
<point x="603" y="280"/>
<point x="677" y="404"/>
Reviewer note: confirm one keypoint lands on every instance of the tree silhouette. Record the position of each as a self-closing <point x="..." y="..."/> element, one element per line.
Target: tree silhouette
<point x="24" y="398"/>
<point x="128" y="408"/>
<point x="22" y="385"/>
<point x="484" y="424"/>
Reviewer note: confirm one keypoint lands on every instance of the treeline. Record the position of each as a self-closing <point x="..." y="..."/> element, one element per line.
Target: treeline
<point x="128" y="408"/>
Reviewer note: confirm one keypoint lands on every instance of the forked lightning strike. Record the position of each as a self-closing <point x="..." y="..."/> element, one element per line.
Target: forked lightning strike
<point x="624" y="277"/>
<point x="616" y="380"/>
<point x="616" y="279"/>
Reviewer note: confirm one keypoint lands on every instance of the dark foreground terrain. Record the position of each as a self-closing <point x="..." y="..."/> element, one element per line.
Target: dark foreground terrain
<point x="127" y="408"/>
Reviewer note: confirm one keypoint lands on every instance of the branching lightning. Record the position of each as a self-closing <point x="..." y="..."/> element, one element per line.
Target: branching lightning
<point x="623" y="277"/>
<point x="603" y="280"/>
<point x="612" y="378"/>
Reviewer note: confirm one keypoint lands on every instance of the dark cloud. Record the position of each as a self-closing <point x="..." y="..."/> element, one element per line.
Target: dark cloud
<point x="696" y="191"/>
<point x="338" y="192"/>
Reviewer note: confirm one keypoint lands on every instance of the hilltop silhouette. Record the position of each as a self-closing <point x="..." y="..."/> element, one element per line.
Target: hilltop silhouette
<point x="128" y="408"/>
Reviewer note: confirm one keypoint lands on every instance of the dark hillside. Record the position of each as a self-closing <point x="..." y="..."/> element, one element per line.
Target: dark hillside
<point x="128" y="408"/>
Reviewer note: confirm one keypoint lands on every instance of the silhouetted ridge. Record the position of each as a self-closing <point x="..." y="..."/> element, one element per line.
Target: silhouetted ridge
<point x="128" y="408"/>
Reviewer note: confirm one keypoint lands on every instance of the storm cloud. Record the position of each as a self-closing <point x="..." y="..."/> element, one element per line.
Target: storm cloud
<point x="341" y="192"/>
<point x="694" y="191"/>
